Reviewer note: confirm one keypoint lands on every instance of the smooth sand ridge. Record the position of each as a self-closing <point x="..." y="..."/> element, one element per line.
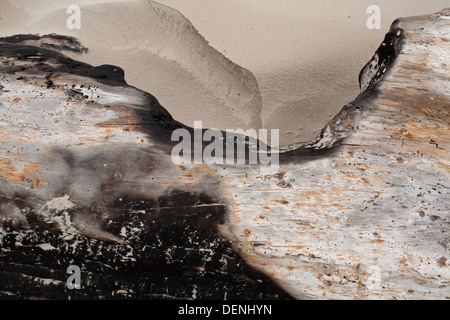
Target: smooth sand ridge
<point x="160" y="52"/>
<point x="306" y="55"/>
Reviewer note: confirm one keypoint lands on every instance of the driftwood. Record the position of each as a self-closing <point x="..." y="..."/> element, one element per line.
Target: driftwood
<point x="368" y="216"/>
<point x="87" y="179"/>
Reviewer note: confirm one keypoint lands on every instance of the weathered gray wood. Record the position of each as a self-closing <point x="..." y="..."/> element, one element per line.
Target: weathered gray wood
<point x="86" y="179"/>
<point x="361" y="212"/>
<point x="370" y="219"/>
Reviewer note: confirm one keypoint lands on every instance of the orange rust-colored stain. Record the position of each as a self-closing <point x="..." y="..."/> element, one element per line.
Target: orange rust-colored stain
<point x="311" y="201"/>
<point x="82" y="140"/>
<point x="309" y="195"/>
<point x="365" y="181"/>
<point x="205" y="169"/>
<point x="283" y="202"/>
<point x="423" y="130"/>
<point x="272" y="273"/>
<point x="247" y="233"/>
<point x="433" y="40"/>
<point x="290" y="267"/>
<point x="428" y="149"/>
<point x="304" y="224"/>
<point x="404" y="261"/>
<point x="6" y="169"/>
<point x="396" y="157"/>
<point x="21" y="140"/>
<point x="107" y="133"/>
<point x="429" y="110"/>
<point x="28" y="174"/>
<point x="260" y="217"/>
<point x="187" y="174"/>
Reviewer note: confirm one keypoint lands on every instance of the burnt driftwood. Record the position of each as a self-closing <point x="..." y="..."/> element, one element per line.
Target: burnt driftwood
<point x="87" y="179"/>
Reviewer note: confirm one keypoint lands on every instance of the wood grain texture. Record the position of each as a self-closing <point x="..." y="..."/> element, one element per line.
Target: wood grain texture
<point x="86" y="179"/>
<point x="361" y="212"/>
<point x="369" y="218"/>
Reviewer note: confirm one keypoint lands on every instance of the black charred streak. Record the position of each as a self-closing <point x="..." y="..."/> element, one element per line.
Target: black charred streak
<point x="49" y="84"/>
<point x="387" y="53"/>
<point x="75" y="94"/>
<point x="173" y="244"/>
<point x="65" y="43"/>
<point x="173" y="249"/>
<point x="49" y="61"/>
<point x="156" y="121"/>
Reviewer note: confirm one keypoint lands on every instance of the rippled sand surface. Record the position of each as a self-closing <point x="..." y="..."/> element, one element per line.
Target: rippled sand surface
<point x="284" y="64"/>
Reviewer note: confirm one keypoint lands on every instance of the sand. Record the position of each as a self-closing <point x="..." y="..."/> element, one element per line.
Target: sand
<point x="304" y="56"/>
<point x="160" y="51"/>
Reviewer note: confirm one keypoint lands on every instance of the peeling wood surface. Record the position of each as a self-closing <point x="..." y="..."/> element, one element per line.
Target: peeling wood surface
<point x="361" y="212"/>
<point x="371" y="218"/>
<point x="87" y="180"/>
